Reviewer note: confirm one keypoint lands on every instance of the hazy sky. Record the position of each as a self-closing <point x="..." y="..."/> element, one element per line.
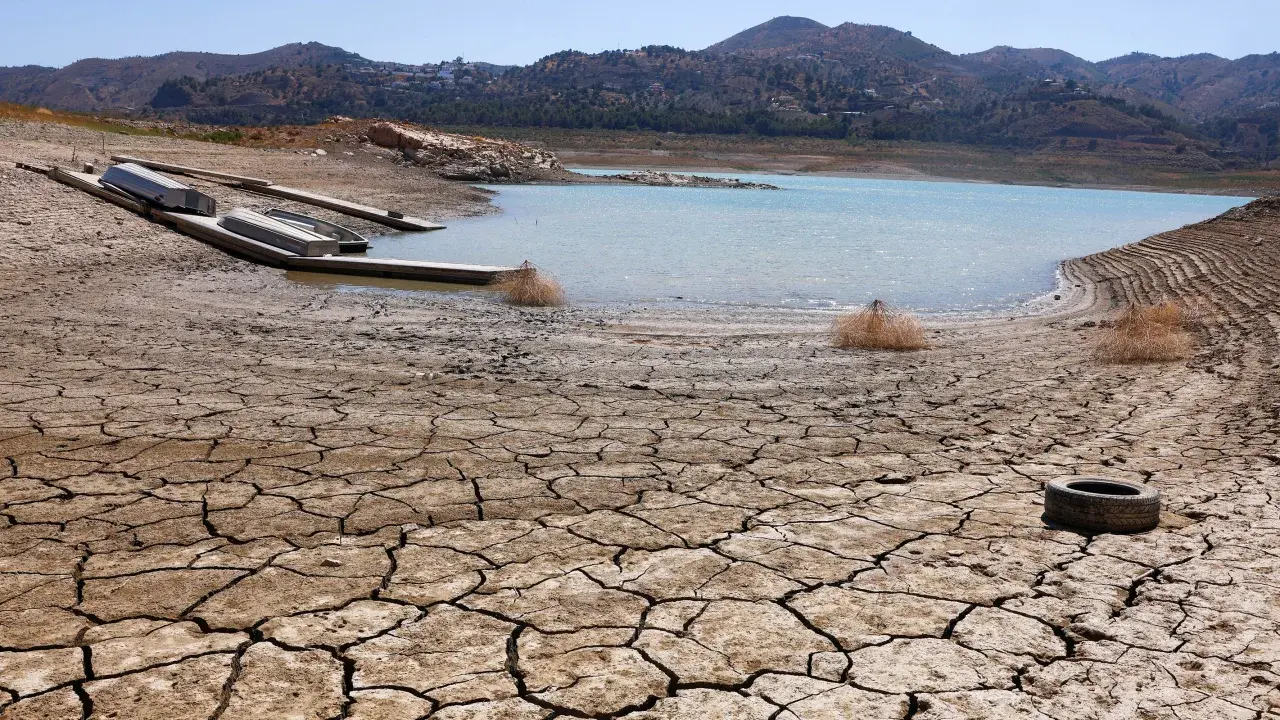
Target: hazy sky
<point x="57" y="32"/>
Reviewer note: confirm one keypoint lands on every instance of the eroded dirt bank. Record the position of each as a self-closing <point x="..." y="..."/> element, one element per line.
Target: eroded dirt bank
<point x="224" y="494"/>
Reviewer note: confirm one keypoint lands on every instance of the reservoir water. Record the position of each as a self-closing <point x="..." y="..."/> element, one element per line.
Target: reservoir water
<point x="819" y="242"/>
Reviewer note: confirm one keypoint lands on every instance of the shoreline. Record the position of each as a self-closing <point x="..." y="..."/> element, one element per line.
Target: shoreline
<point x="1039" y="305"/>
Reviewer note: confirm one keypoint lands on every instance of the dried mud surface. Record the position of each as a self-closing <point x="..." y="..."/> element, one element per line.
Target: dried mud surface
<point x="225" y="494"/>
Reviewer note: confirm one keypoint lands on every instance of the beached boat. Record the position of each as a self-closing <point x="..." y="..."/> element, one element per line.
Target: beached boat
<point x="348" y="240"/>
<point x="278" y="233"/>
<point x="158" y="189"/>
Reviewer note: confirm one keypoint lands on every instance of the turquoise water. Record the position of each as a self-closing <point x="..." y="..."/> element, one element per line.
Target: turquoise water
<point x="819" y="242"/>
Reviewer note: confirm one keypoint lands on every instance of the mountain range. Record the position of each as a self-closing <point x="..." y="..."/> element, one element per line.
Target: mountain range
<point x="130" y="83"/>
<point x="1199" y="86"/>
<point x="789" y="75"/>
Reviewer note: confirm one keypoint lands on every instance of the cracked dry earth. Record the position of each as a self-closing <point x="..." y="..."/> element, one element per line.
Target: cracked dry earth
<point x="226" y="494"/>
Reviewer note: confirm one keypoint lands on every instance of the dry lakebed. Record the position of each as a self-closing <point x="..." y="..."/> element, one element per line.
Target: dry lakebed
<point x="227" y="494"/>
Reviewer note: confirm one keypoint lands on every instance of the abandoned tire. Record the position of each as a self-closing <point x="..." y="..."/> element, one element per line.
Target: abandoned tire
<point x="1102" y="505"/>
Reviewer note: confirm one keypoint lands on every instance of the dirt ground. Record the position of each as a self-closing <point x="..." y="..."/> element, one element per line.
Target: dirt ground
<point x="227" y="494"/>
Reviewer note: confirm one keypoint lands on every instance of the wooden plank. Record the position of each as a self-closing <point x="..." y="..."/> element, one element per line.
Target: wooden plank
<point x="344" y="206"/>
<point x="208" y="230"/>
<point x="32" y="167"/>
<point x="184" y="170"/>
<point x="92" y="185"/>
<point x="401" y="269"/>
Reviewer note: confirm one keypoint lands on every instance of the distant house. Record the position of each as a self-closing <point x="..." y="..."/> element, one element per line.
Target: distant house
<point x="657" y="88"/>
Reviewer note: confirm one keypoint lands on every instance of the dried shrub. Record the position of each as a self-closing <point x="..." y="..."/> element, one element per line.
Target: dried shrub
<point x="878" y="327"/>
<point x="1166" y="314"/>
<point x="1146" y="334"/>
<point x="528" y="287"/>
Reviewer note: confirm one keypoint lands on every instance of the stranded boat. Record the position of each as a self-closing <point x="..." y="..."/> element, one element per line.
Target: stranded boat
<point x="158" y="189"/>
<point x="348" y="240"/>
<point x="278" y="233"/>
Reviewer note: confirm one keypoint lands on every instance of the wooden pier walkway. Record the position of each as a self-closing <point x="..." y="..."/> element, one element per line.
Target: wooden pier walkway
<point x="92" y="184"/>
<point x="345" y="207"/>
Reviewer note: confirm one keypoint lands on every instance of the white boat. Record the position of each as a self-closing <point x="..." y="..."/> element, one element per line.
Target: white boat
<point x="278" y="233"/>
<point x="158" y="189"/>
<point x="349" y="241"/>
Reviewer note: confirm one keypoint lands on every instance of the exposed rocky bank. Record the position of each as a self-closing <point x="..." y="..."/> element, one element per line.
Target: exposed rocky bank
<point x="470" y="159"/>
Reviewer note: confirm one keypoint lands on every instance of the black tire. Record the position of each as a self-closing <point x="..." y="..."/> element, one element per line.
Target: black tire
<point x="1102" y="505"/>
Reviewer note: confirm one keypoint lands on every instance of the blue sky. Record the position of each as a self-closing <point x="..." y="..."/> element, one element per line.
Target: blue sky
<point x="57" y="32"/>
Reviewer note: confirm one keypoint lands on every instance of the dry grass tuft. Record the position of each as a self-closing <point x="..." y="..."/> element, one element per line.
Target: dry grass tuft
<point x="1146" y="335"/>
<point x="877" y="327"/>
<point x="530" y="288"/>
<point x="1166" y="314"/>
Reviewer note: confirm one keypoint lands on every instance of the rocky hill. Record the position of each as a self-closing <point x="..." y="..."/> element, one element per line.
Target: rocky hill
<point x="1203" y="86"/>
<point x="1038" y="63"/>
<point x="777" y="33"/>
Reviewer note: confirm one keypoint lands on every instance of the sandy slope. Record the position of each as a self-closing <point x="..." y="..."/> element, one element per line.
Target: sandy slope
<point x="227" y="494"/>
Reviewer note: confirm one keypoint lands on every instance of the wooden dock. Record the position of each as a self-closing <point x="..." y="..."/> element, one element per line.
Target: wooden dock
<point x="32" y="167"/>
<point x="400" y="269"/>
<point x="190" y="171"/>
<point x="92" y="184"/>
<point x="346" y="207"/>
<point x="208" y="230"/>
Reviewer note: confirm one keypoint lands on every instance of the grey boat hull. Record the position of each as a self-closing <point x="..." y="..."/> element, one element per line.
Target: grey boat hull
<point x="277" y="233"/>
<point x="349" y="241"/>
<point x="158" y="190"/>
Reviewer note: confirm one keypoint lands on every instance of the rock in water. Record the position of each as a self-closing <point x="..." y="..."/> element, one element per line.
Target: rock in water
<point x="666" y="179"/>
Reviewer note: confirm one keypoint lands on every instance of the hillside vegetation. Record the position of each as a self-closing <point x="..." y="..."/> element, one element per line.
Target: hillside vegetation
<point x="787" y="77"/>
